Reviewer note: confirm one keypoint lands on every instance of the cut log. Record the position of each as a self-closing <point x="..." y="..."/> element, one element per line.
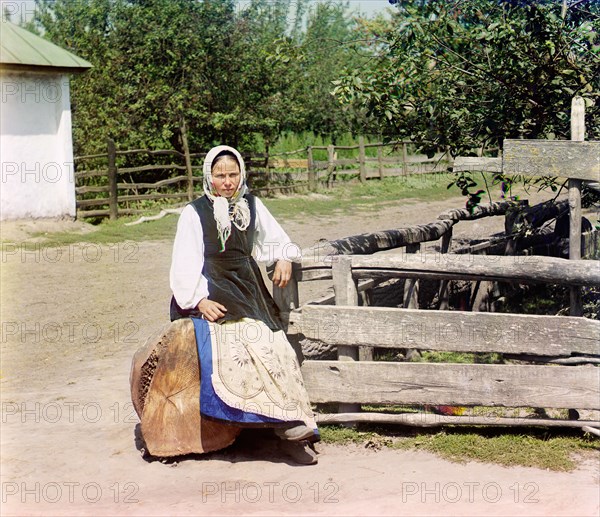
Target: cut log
<point x="165" y="391"/>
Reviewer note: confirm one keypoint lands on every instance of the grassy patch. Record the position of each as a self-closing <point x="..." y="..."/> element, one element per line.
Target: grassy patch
<point x="506" y="449"/>
<point x="108" y="232"/>
<point x="536" y="449"/>
<point x="375" y="195"/>
<point x="344" y="199"/>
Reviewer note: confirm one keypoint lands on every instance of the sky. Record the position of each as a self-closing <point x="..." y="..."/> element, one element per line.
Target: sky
<point x="366" y="7"/>
<point x="370" y="7"/>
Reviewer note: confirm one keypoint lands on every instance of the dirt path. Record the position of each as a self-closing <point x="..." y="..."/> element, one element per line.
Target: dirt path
<point x="71" y="321"/>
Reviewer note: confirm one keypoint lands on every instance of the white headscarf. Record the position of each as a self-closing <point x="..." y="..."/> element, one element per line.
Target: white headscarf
<point x="226" y="211"/>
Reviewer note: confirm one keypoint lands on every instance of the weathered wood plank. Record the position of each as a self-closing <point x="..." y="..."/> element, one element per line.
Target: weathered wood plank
<point x="361" y="159"/>
<point x="105" y="201"/>
<point x="566" y="159"/>
<point x="477" y="163"/>
<point x="454" y="331"/>
<point x="532" y="269"/>
<point x="452" y="384"/>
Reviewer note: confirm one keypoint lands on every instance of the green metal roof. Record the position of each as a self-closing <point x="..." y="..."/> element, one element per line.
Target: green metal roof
<point x="21" y="49"/>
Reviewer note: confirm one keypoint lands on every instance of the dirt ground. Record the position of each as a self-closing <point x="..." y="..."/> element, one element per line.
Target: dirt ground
<point x="72" y="319"/>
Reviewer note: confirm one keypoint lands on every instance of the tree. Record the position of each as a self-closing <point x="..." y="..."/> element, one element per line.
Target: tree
<point x="259" y="97"/>
<point x="85" y="28"/>
<point x="227" y="74"/>
<point x="328" y="46"/>
<point x="467" y="74"/>
<point x="172" y="68"/>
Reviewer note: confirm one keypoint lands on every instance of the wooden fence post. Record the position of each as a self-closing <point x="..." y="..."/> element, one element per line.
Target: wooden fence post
<point x="346" y="293"/>
<point x="113" y="205"/>
<point x="577" y="135"/>
<point x="330" y="164"/>
<point x="443" y="294"/>
<point x="380" y="161"/>
<point x="312" y="180"/>
<point x="361" y="159"/>
<point x="287" y="298"/>
<point x="411" y="285"/>
<point x="411" y="296"/>
<point x="404" y="159"/>
<point x="188" y="162"/>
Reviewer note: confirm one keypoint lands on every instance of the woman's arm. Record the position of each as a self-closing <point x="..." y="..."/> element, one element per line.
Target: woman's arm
<point x="271" y="243"/>
<point x="188" y="284"/>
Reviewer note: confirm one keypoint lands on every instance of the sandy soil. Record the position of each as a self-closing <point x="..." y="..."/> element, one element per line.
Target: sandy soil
<point x="72" y="319"/>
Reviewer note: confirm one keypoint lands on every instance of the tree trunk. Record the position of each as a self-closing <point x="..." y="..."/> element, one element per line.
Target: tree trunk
<point x="165" y="390"/>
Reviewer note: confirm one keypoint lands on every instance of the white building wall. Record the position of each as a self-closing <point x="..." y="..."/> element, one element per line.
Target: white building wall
<point x="36" y="148"/>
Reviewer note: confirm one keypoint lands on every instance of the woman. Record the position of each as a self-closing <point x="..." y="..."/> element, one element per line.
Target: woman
<point x="250" y="375"/>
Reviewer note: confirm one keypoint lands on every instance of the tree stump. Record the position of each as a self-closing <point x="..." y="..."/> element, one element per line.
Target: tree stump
<point x="165" y="391"/>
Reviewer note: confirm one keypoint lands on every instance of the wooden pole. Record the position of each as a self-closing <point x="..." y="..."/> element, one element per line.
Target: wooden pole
<point x="443" y="294"/>
<point x="411" y="286"/>
<point x="411" y="297"/>
<point x="312" y="180"/>
<point x="330" y="164"/>
<point x="113" y="205"/>
<point x="577" y="135"/>
<point x="188" y="161"/>
<point x="380" y="162"/>
<point x="432" y="420"/>
<point x="362" y="159"/>
<point x="404" y="159"/>
<point x="346" y="293"/>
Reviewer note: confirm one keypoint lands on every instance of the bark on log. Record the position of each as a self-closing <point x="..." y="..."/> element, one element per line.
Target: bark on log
<point x="368" y="243"/>
<point x="165" y="391"/>
<point x="477" y="212"/>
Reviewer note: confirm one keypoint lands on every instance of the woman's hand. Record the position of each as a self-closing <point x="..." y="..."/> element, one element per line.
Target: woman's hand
<point x="282" y="273"/>
<point x="210" y="310"/>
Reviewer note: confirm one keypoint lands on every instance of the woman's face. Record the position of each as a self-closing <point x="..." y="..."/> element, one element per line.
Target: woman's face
<point x="226" y="176"/>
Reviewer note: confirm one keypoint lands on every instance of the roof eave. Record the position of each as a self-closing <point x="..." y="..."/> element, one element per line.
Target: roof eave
<point x="15" y="67"/>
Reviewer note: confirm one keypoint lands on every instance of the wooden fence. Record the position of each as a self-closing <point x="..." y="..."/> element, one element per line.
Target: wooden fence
<point x="363" y="167"/>
<point x="183" y="179"/>
<point x="107" y="188"/>
<point x="565" y="350"/>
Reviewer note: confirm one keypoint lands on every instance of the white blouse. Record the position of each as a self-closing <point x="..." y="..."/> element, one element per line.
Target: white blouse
<point x="188" y="284"/>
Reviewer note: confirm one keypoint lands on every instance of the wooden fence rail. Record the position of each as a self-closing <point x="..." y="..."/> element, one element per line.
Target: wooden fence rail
<point x="182" y="187"/>
<point x="263" y="177"/>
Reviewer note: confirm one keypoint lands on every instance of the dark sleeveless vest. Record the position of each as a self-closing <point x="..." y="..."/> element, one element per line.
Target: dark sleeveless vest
<point x="234" y="278"/>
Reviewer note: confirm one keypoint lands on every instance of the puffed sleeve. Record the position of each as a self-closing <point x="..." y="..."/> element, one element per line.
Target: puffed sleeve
<point x="271" y="243"/>
<point x="188" y="283"/>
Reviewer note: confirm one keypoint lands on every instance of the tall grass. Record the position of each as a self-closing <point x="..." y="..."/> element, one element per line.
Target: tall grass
<point x="289" y="142"/>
